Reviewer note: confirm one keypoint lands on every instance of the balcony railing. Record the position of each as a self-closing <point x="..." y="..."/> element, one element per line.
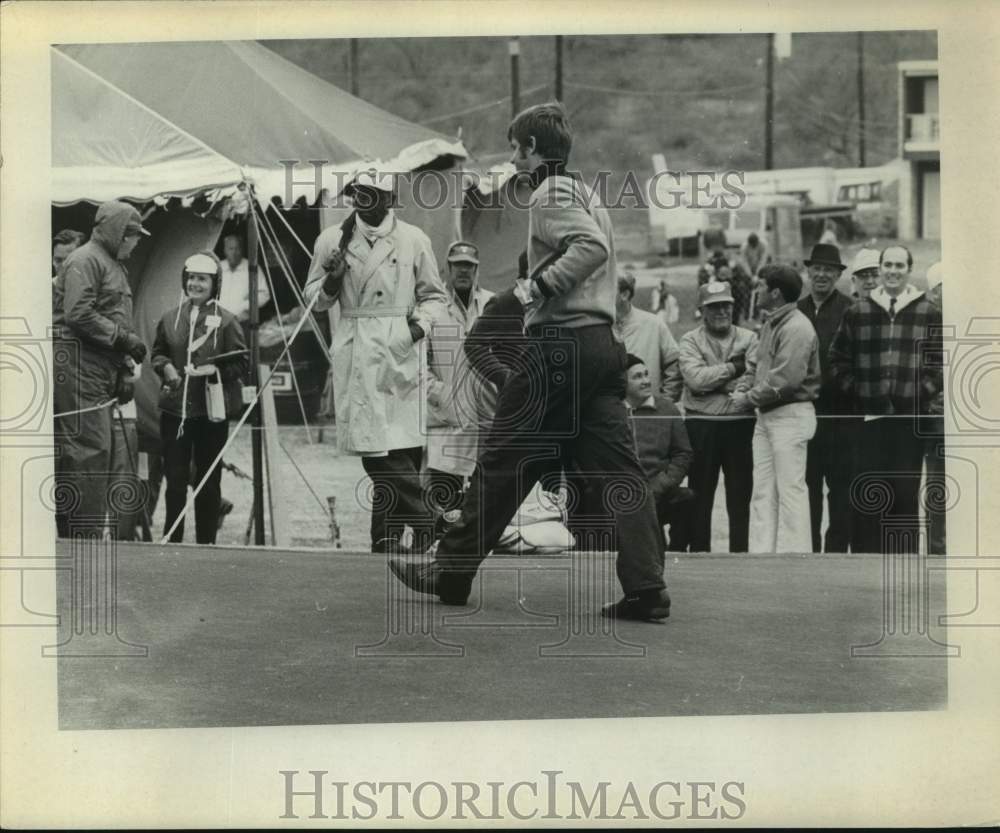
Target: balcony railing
<point x="922" y="127"/>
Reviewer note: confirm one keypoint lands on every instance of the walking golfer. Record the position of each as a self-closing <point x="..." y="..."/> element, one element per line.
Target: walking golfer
<point x="567" y="398"/>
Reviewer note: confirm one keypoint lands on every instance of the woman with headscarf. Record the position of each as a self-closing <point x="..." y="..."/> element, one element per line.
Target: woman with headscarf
<point x="200" y="355"/>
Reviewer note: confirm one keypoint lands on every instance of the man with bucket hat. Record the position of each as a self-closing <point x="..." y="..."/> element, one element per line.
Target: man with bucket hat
<point x="713" y="358"/>
<point x="864" y="273"/>
<point x="829" y="457"/>
<point x="384" y="274"/>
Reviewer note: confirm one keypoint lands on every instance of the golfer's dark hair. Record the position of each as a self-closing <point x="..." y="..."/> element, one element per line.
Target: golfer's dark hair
<point x="909" y="254"/>
<point x="632" y="361"/>
<point x="784" y="278"/>
<point x="68" y="237"/>
<point x="627" y="284"/>
<point x="549" y="124"/>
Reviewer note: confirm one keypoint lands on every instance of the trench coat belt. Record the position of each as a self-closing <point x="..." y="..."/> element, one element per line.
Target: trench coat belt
<point x="376" y="312"/>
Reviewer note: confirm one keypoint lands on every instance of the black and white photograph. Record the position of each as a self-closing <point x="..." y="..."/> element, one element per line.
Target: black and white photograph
<point x="415" y="390"/>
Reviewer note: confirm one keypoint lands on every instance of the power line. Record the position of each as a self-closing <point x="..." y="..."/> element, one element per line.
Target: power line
<point x="661" y="93"/>
<point x="479" y="107"/>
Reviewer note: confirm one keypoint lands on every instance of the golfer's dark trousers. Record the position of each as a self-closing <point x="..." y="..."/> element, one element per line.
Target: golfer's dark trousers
<point x="202" y="440"/>
<point x="398" y="499"/>
<point x="726" y="445"/>
<point x="831" y="457"/>
<point x="563" y="402"/>
<point x="444" y="490"/>
<point x="887" y="489"/>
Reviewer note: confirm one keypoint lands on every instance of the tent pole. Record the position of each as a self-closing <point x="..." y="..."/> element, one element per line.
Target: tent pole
<point x="253" y="245"/>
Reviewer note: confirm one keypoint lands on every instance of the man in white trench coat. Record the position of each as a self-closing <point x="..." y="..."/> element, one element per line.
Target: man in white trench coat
<point x="383" y="273"/>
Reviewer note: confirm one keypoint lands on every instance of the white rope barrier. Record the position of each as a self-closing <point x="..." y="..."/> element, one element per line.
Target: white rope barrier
<point x="236" y="429"/>
<point x="107" y="404"/>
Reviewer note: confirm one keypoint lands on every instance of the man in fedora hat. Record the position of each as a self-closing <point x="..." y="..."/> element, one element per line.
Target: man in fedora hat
<point x="829" y="449"/>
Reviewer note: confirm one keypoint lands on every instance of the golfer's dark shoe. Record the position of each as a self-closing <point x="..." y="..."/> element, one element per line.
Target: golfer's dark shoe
<point x="426" y="578"/>
<point x="643" y="607"/>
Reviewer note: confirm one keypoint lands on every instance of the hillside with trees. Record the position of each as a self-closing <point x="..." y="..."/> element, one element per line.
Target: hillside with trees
<point x="698" y="99"/>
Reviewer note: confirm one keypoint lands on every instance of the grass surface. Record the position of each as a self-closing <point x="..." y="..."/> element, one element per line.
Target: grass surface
<point x="253" y="638"/>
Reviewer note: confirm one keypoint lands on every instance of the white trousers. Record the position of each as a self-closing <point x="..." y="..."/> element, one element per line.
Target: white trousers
<point x="779" y="508"/>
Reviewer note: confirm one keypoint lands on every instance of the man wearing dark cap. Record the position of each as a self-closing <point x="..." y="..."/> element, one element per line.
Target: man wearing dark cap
<point x="93" y="338"/>
<point x="786" y="379"/>
<point x="647" y="336"/>
<point x="454" y="392"/>
<point x="385" y="277"/>
<point x="713" y="360"/>
<point x="830" y="449"/>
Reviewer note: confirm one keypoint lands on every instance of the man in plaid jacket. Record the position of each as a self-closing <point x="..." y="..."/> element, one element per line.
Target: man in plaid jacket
<point x="886" y="356"/>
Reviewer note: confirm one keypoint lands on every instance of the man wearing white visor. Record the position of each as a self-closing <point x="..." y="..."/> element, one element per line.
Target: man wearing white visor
<point x="384" y="275"/>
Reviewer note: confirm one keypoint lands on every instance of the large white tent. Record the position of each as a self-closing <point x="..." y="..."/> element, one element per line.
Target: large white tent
<point x="147" y="122"/>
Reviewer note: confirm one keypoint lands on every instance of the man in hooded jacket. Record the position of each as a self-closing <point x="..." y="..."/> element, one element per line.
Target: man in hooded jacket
<point x="93" y="337"/>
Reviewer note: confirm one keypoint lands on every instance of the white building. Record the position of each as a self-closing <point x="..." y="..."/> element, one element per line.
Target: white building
<point x="920" y="149"/>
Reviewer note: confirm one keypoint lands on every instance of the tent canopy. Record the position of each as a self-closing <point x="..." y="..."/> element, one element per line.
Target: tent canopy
<point x="148" y="119"/>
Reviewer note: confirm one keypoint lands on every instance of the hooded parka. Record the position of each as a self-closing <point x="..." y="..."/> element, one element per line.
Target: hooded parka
<point x="91" y="310"/>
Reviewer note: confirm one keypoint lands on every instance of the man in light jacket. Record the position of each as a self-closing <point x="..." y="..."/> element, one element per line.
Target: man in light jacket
<point x="786" y="381"/>
<point x="713" y="362"/>
<point x="383" y="273"/>
<point x="454" y="392"/>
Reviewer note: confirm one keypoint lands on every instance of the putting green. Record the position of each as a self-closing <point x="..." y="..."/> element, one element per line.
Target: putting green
<point x="238" y="637"/>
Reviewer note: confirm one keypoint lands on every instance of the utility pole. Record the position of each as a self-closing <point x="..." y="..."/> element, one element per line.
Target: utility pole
<point x="559" y="67"/>
<point x="514" y="48"/>
<point x="354" y="66"/>
<point x="769" y="106"/>
<point x="861" y="99"/>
